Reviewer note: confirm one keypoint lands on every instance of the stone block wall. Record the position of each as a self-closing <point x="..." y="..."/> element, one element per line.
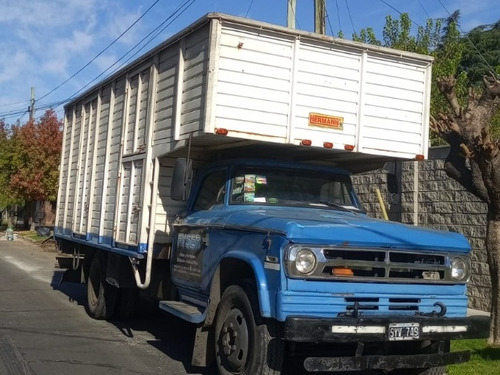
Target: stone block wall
<point x="420" y="193"/>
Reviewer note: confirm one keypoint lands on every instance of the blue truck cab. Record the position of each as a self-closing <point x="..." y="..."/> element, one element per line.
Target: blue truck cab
<point x="275" y="256"/>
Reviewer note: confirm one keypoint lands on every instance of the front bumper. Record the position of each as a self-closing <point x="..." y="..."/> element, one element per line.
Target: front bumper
<point x="373" y="332"/>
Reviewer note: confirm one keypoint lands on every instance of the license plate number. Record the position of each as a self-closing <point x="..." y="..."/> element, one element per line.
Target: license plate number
<point x="403" y="331"/>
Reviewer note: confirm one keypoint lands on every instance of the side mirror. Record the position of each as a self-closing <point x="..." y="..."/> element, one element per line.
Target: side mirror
<point x="181" y="180"/>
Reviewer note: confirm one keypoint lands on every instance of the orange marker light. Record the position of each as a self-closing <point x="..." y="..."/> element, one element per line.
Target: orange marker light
<point x="348" y="147"/>
<point x="306" y="142"/>
<point x="221" y="131"/>
<point x="420" y="157"/>
<point x="342" y="271"/>
<point x="327" y="144"/>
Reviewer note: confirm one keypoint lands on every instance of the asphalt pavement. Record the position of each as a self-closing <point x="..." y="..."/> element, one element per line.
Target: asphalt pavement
<point x="45" y="330"/>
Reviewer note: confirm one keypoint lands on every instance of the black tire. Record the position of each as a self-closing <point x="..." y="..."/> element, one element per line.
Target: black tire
<point x="128" y="300"/>
<point x="101" y="296"/>
<point x="244" y="343"/>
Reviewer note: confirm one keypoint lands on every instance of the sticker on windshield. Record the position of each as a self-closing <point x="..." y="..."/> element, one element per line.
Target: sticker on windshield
<point x="261" y="180"/>
<point x="250" y="183"/>
<point x="249" y="197"/>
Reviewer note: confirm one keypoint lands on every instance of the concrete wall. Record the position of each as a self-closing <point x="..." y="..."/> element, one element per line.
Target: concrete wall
<point x="420" y="193"/>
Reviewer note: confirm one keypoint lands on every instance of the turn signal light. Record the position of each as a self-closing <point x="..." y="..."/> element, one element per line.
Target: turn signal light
<point x="221" y="131"/>
<point x="306" y="142"/>
<point x="342" y="271"/>
<point x="327" y="144"/>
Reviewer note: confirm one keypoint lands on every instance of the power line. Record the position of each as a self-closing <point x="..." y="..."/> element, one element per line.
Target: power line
<point x="397" y="11"/>
<point x="329" y="23"/>
<point x="471" y="43"/>
<point x="338" y="16"/>
<point x="12" y="104"/>
<point x="350" y="16"/>
<point x="425" y="11"/>
<point x="156" y="31"/>
<point x="100" y="53"/>
<point x="186" y="4"/>
<point x="249" y="7"/>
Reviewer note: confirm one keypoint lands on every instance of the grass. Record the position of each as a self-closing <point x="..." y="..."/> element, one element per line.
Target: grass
<point x="32" y="235"/>
<point x="485" y="360"/>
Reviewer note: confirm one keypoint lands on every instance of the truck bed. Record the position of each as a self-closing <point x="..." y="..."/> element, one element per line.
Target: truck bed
<point x="235" y="87"/>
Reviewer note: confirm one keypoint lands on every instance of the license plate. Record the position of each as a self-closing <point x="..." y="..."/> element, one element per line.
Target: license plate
<point x="403" y="331"/>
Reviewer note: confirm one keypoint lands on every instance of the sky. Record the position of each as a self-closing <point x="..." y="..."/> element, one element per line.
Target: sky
<point x="60" y="48"/>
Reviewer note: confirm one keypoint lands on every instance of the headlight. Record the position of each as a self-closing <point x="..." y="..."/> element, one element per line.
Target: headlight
<point x="305" y="261"/>
<point x="459" y="269"/>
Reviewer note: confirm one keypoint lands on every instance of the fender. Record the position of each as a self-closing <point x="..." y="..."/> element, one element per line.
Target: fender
<point x="260" y="278"/>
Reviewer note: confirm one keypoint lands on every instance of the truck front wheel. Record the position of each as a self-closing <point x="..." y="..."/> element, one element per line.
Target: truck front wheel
<point x="244" y="343"/>
<point x="101" y="296"/>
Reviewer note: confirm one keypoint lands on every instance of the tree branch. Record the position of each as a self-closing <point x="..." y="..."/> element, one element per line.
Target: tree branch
<point x="446" y="86"/>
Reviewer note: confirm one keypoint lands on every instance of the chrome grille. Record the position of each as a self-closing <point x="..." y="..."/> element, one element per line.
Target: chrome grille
<point x="382" y="265"/>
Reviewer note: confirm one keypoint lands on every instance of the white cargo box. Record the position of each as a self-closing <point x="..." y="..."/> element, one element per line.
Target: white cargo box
<point x="225" y="83"/>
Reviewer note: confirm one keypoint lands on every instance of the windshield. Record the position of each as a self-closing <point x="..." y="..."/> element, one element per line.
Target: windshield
<point x="287" y="187"/>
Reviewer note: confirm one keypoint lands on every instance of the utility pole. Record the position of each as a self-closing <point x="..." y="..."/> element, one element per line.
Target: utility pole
<point x="319" y="16"/>
<point x="292" y="8"/>
<point x="32" y="104"/>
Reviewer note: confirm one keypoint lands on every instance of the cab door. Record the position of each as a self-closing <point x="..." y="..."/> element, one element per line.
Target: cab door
<point x="192" y="237"/>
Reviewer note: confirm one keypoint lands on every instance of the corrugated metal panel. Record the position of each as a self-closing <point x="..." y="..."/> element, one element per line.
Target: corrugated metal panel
<point x="114" y="157"/>
<point x="64" y="170"/>
<point x="130" y="202"/>
<point x="394" y="106"/>
<point x="253" y="86"/>
<point x="85" y="167"/>
<point x="73" y="176"/>
<point x="165" y="96"/>
<point x="100" y="162"/>
<point x="327" y="82"/>
<point x="194" y="80"/>
<point x="143" y="107"/>
<point x="130" y="127"/>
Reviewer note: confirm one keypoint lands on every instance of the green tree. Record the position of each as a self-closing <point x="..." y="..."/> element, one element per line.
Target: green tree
<point x="465" y="113"/>
<point x="483" y="55"/>
<point x="7" y="196"/>
<point x="466" y="123"/>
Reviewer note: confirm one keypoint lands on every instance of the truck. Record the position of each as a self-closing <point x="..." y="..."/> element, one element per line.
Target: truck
<point x="213" y="174"/>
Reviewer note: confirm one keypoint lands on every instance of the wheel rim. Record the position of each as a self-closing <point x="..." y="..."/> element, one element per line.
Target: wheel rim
<point x="234" y="340"/>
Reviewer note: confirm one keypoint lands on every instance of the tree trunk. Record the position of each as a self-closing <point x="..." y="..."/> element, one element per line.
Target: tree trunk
<point x="493" y="250"/>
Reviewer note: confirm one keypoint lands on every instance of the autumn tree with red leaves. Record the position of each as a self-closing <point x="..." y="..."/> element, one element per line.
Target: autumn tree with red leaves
<point x="29" y="161"/>
<point x="37" y="152"/>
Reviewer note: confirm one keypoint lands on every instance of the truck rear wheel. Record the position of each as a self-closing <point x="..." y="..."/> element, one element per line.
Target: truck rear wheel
<point x="101" y="296"/>
<point x="244" y="344"/>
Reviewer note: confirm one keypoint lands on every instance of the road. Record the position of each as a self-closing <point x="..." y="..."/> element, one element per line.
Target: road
<point x="45" y="330"/>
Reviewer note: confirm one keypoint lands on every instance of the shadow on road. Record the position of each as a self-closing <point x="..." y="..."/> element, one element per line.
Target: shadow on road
<point x="172" y="336"/>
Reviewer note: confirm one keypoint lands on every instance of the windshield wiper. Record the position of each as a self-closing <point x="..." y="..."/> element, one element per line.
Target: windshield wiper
<point x="338" y="206"/>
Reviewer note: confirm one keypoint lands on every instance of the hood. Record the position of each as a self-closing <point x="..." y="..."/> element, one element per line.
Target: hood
<point x="332" y="227"/>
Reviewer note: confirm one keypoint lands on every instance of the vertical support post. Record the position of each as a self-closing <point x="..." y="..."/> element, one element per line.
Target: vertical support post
<point x="32" y="104"/>
<point x="319" y="16"/>
<point x="292" y="8"/>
